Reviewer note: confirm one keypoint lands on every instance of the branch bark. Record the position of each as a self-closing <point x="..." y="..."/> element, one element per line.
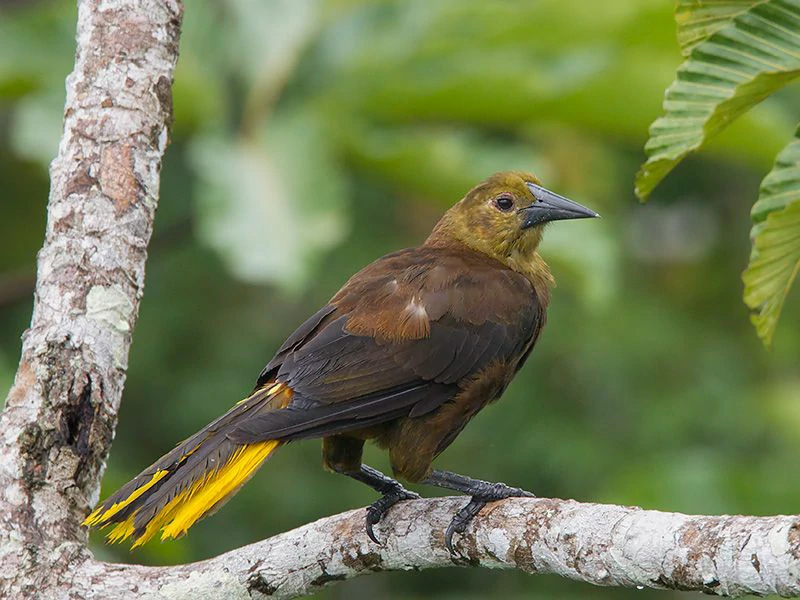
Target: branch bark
<point x="59" y="418"/>
<point x="599" y="544"/>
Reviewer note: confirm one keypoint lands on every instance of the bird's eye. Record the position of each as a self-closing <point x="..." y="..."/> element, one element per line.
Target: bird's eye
<point x="504" y="203"/>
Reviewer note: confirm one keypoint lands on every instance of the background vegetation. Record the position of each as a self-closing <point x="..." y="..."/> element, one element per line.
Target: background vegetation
<point x="738" y="52"/>
<point x="311" y="137"/>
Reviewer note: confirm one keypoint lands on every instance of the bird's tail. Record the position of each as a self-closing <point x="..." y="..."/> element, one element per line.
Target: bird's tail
<point x="194" y="479"/>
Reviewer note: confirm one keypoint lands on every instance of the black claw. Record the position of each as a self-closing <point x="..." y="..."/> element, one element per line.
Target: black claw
<point x="377" y="509"/>
<point x="370" y="533"/>
<point x="460" y="521"/>
<point x="488" y="492"/>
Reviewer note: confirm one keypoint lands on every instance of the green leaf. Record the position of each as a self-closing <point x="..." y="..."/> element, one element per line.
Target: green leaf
<point x="732" y="71"/>
<point x="508" y="80"/>
<point x="274" y="34"/>
<point x="38" y="48"/>
<point x="268" y="214"/>
<point x="775" y="259"/>
<point x="37" y="123"/>
<point x="445" y="160"/>
<point x="697" y="20"/>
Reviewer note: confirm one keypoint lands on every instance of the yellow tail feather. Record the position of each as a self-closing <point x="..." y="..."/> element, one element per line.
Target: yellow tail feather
<point x="99" y="515"/>
<point x="201" y="497"/>
<point x="205" y="495"/>
<point x="193" y="503"/>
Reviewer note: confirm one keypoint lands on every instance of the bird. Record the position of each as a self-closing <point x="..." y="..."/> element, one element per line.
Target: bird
<point x="411" y="348"/>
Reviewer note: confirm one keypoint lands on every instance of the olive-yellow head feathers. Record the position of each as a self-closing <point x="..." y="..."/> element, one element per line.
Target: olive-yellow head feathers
<point x="503" y="217"/>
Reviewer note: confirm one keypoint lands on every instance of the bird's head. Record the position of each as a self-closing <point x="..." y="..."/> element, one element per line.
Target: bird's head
<point x="504" y="216"/>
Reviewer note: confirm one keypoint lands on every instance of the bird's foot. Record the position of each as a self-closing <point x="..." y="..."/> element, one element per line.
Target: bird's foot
<point x="483" y="492"/>
<point x="376" y="510"/>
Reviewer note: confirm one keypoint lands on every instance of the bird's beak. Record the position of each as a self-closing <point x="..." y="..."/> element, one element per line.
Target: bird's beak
<point x="552" y="207"/>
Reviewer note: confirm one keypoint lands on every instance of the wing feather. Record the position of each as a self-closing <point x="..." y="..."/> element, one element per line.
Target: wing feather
<point x="368" y="357"/>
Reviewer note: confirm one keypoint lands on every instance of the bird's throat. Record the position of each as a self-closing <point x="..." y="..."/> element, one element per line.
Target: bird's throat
<point x="534" y="268"/>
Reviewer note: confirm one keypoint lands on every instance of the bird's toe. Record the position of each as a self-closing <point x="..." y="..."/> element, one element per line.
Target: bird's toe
<point x="378" y="509"/>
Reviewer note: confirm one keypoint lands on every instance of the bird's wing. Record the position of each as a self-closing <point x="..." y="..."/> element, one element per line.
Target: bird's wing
<point x="396" y="341"/>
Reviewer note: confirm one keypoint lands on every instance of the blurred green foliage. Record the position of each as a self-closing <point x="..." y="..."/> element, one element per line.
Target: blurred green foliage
<point x="738" y="52"/>
<point x="312" y="137"/>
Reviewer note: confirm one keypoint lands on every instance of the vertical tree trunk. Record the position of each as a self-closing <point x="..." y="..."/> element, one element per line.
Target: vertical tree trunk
<point x="59" y="418"/>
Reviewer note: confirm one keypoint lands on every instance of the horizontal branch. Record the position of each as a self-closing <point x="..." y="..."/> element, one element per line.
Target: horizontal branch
<point x="599" y="544"/>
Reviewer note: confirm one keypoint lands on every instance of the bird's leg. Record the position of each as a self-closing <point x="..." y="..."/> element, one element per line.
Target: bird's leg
<point x="482" y="492"/>
<point x="342" y="454"/>
<point x="391" y="492"/>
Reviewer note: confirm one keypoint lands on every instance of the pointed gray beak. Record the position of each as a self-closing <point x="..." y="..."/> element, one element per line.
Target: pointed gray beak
<point x="552" y="207"/>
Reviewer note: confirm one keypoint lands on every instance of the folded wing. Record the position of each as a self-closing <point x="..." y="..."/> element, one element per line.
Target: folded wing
<point x="397" y="341"/>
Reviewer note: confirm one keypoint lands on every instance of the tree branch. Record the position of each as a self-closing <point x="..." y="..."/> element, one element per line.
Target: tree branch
<point x="599" y="544"/>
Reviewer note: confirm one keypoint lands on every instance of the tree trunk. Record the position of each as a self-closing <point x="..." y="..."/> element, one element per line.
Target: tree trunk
<point x="60" y="414"/>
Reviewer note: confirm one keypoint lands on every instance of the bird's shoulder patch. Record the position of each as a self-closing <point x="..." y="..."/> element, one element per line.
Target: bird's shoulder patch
<point x="400" y="296"/>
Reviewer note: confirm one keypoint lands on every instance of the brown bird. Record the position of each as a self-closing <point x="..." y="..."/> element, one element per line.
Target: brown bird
<point x="405" y="354"/>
